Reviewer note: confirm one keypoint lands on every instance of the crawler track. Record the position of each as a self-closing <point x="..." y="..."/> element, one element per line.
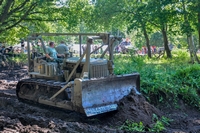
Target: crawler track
<point x="34" y="89"/>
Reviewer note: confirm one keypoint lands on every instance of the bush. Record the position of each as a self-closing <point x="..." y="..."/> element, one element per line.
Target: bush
<point x="163" y="79"/>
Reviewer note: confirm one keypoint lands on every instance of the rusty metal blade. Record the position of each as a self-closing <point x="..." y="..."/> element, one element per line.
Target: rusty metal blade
<point x="102" y="95"/>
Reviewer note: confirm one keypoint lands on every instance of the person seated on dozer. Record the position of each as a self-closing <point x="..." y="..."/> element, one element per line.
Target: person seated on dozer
<point x="62" y="48"/>
<point x="52" y="55"/>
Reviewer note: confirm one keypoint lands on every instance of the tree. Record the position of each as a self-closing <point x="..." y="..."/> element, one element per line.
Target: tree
<point x="187" y="29"/>
<point x="14" y="12"/>
<point x="163" y="17"/>
<point x="28" y="16"/>
<point x="138" y="19"/>
<point x="193" y="10"/>
<point x="107" y="15"/>
<point x="122" y="14"/>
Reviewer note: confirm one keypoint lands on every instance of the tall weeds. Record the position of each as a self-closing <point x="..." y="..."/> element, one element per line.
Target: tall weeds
<point x="164" y="80"/>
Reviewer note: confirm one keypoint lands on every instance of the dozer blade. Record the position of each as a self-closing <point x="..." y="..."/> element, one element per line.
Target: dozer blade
<point x="102" y="95"/>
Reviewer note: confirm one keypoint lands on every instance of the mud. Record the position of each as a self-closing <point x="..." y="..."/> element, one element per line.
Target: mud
<point x="16" y="116"/>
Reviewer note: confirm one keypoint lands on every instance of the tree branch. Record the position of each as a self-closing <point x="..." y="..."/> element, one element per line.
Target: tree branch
<point x="21" y="19"/>
<point x="22" y="26"/>
<point x="18" y="8"/>
<point x="1" y="1"/>
<point x="13" y="4"/>
<point x="143" y="18"/>
<point x="40" y="19"/>
<point x="37" y="12"/>
<point x="6" y="8"/>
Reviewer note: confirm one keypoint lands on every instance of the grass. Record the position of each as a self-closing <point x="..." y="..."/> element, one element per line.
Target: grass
<point x="157" y="127"/>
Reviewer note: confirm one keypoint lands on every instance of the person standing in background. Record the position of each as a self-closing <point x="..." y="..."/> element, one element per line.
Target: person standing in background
<point x="62" y="48"/>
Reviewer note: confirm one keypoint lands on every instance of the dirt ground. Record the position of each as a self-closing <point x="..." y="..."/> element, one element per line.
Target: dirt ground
<point x="18" y="117"/>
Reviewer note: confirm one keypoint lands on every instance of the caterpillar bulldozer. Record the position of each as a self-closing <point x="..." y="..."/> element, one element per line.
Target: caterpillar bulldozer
<point x="79" y="83"/>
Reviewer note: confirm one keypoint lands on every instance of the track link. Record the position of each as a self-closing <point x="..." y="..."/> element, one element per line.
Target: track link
<point x="32" y="89"/>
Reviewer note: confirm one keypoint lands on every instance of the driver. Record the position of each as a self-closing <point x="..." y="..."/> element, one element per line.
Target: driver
<point x="51" y="53"/>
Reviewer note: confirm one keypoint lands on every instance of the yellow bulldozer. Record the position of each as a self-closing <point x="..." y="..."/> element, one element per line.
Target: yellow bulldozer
<point x="79" y="83"/>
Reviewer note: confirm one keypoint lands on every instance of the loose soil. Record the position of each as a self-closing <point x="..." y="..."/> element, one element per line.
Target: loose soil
<point x="18" y="117"/>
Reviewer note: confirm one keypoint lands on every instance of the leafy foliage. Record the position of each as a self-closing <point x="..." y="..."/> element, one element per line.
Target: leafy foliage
<point x="133" y="126"/>
<point x="165" y="80"/>
<point x="19" y="18"/>
<point x="21" y="59"/>
<point x="157" y="127"/>
<point x="132" y="64"/>
<point x="156" y="39"/>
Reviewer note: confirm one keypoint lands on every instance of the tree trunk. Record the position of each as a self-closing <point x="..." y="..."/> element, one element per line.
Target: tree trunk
<point x="147" y="43"/>
<point x="192" y="48"/>
<point x="199" y="26"/>
<point x="146" y="38"/>
<point x="166" y="46"/>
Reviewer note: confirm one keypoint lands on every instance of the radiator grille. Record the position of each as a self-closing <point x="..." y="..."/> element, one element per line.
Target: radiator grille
<point x="98" y="71"/>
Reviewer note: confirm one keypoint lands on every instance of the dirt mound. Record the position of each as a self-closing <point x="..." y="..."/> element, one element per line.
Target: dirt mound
<point x="133" y="108"/>
<point x="137" y="109"/>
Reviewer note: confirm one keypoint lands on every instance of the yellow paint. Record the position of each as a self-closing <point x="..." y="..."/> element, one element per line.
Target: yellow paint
<point x="40" y="67"/>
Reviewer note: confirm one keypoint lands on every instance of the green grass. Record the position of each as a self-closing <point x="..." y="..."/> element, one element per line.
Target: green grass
<point x="157" y="127"/>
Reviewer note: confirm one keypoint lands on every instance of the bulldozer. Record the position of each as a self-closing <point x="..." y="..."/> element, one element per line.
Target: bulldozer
<point x="80" y="83"/>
